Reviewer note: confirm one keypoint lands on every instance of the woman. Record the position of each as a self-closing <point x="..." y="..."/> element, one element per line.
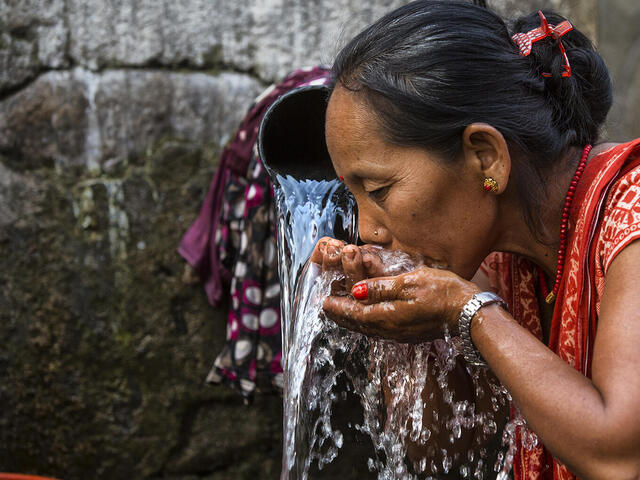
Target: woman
<point x="459" y="137"/>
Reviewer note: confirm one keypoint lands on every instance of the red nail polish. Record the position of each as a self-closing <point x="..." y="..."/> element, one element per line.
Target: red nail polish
<point x="360" y="292"/>
<point x="341" y="178"/>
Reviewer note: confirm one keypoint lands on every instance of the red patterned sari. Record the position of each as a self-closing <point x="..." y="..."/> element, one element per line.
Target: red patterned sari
<point x="604" y="218"/>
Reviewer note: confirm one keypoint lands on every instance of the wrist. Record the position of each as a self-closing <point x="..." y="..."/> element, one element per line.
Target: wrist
<point x="480" y="316"/>
<point x="468" y="313"/>
<point x="466" y="293"/>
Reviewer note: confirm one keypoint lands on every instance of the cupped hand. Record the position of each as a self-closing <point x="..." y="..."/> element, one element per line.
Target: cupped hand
<point x="356" y="262"/>
<point x="411" y="308"/>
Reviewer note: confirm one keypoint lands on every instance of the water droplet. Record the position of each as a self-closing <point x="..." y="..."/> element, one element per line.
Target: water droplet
<point x="446" y="462"/>
<point x="490" y="427"/>
<point x="371" y="465"/>
<point x="388" y="378"/>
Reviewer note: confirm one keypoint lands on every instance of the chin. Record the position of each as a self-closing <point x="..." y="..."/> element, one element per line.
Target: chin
<point x="433" y="262"/>
<point x="462" y="271"/>
<point x="424" y="258"/>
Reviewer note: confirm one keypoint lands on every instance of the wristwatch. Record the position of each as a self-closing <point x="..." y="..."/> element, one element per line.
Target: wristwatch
<point x="479" y="300"/>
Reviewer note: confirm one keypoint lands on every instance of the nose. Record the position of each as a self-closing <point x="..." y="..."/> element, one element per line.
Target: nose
<point x="371" y="231"/>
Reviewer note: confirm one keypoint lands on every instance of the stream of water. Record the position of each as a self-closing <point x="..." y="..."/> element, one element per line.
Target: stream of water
<point x="426" y="413"/>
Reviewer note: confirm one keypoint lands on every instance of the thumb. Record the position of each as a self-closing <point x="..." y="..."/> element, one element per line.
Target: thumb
<point x="382" y="289"/>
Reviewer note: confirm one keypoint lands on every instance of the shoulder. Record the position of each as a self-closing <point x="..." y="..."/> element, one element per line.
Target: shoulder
<point x="611" y="149"/>
<point x="621" y="216"/>
<point x="602" y="148"/>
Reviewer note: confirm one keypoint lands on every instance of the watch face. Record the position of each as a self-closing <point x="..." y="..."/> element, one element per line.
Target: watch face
<point x="490" y="297"/>
<point x="487" y="297"/>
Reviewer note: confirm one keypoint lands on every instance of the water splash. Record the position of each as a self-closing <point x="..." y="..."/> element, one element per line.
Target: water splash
<point x="307" y="210"/>
<point x="421" y="421"/>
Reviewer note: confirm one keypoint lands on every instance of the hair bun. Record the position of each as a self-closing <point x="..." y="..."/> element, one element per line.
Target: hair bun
<point x="580" y="102"/>
<point x="430" y="68"/>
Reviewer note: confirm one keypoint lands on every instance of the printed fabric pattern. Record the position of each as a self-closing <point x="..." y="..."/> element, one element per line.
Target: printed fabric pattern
<point x="232" y="245"/>
<point x="604" y="218"/>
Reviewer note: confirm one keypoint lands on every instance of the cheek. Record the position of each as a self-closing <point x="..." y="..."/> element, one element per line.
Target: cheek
<point x="454" y="225"/>
<point x="467" y="233"/>
<point x="465" y="220"/>
<point x="415" y="224"/>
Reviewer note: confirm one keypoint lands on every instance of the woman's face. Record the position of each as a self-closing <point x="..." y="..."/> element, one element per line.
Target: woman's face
<point x="413" y="200"/>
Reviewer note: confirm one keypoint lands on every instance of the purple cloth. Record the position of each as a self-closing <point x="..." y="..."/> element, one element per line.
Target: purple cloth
<point x="198" y="246"/>
<point x="232" y="244"/>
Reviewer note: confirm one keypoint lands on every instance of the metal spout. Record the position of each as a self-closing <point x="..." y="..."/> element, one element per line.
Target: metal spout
<point x="291" y="139"/>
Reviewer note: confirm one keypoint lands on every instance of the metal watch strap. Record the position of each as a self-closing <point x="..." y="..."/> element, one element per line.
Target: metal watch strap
<point x="479" y="300"/>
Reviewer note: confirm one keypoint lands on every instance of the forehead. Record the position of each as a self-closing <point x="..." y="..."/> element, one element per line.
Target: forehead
<point x="347" y="106"/>
<point x="352" y="132"/>
<point x="348" y="115"/>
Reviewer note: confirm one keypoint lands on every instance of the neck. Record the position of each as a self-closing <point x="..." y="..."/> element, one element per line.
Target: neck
<point x="540" y="245"/>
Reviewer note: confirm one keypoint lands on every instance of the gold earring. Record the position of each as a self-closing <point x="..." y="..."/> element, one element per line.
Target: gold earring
<point x="375" y="232"/>
<point x="490" y="185"/>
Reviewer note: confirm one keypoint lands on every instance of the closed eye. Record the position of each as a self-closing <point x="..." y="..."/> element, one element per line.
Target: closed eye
<point x="379" y="194"/>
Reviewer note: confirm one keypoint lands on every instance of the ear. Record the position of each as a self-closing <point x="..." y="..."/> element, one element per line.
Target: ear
<point x="485" y="150"/>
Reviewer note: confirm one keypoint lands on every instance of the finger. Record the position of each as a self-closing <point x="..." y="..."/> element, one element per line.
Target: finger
<point x="331" y="258"/>
<point x="384" y="289"/>
<point x="352" y="265"/>
<point x="352" y="315"/>
<point x="319" y="250"/>
<point x="338" y="287"/>
<point x="334" y="242"/>
<point x="392" y="320"/>
<point x="373" y="266"/>
<point x="371" y="247"/>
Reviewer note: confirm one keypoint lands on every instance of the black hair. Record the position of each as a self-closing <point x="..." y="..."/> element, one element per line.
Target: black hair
<point x="432" y="67"/>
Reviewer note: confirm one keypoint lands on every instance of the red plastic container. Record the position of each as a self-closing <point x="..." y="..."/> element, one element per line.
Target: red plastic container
<point x="19" y="476"/>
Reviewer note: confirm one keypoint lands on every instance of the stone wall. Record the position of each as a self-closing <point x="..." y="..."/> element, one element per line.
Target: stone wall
<point x="619" y="43"/>
<point x="112" y="117"/>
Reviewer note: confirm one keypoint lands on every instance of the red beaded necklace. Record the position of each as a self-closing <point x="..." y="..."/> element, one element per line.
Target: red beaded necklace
<point x="551" y="296"/>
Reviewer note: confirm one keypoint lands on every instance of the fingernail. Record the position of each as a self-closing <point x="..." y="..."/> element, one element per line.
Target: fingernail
<point x="360" y="291"/>
<point x="350" y="254"/>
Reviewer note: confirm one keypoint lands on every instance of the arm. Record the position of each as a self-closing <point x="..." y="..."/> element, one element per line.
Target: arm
<point x="330" y="254"/>
<point x="592" y="426"/>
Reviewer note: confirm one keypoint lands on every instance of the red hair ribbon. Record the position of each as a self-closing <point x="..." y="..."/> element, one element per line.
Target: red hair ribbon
<point x="526" y="40"/>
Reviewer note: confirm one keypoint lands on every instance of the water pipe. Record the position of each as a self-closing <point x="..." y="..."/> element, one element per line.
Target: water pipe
<point x="291" y="138"/>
